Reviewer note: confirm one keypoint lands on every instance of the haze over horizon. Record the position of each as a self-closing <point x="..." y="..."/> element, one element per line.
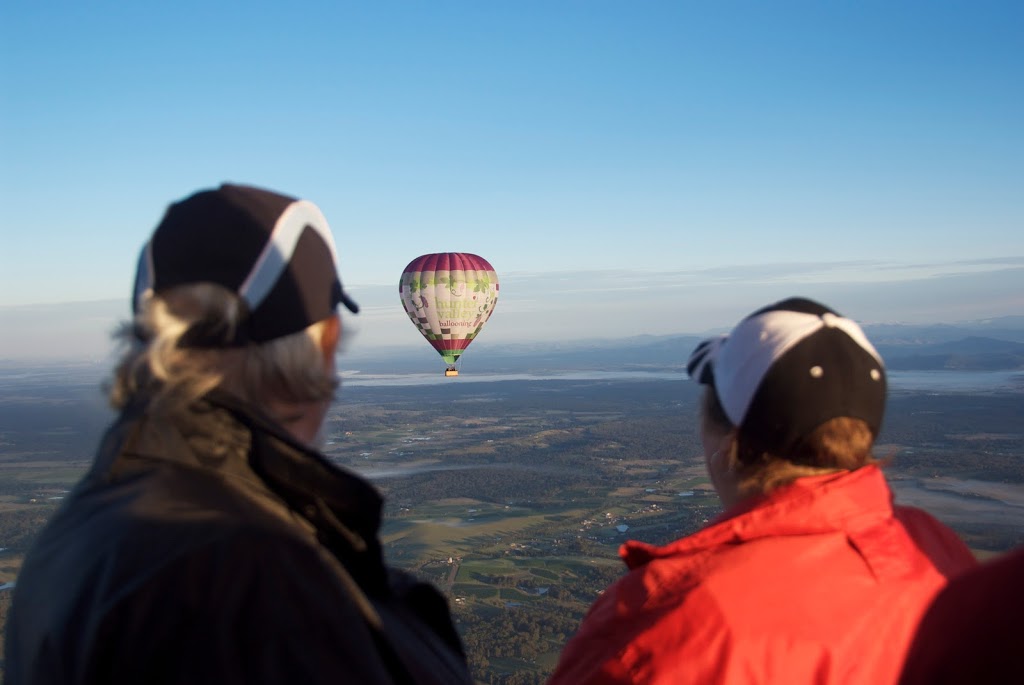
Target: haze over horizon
<point x="83" y="330"/>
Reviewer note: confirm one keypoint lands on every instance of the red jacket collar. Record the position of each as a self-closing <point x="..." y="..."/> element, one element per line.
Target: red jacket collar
<point x="849" y="501"/>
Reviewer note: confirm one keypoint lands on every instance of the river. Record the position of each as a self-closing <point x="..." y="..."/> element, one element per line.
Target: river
<point x="899" y="381"/>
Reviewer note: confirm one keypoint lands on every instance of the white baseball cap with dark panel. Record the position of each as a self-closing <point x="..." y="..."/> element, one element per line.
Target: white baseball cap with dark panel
<point x="274" y="251"/>
<point x="790" y="367"/>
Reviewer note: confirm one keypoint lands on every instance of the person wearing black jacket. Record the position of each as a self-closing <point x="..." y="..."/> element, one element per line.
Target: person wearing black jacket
<point x="211" y="542"/>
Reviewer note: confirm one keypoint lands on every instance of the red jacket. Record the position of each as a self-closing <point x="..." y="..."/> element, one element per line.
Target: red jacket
<point x="823" y="581"/>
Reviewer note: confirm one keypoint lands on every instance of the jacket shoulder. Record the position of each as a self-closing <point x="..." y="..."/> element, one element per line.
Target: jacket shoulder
<point x="943" y="547"/>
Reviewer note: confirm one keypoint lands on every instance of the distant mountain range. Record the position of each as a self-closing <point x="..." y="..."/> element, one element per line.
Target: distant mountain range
<point x="967" y="354"/>
<point x="1009" y="328"/>
<point x="982" y="346"/>
<point x="993" y="345"/>
<point x="989" y="345"/>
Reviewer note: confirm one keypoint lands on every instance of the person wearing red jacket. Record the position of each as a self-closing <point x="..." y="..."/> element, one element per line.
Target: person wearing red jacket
<point x="811" y="575"/>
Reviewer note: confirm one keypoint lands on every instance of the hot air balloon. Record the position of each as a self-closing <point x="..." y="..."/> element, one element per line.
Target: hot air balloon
<point x="449" y="296"/>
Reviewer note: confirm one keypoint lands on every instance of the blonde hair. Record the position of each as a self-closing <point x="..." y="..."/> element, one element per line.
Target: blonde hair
<point x="158" y="363"/>
<point x="841" y="443"/>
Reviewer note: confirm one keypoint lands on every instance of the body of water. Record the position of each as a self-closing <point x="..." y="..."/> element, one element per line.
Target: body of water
<point x="957" y="381"/>
<point x="957" y="502"/>
<point x="351" y="380"/>
<point x="899" y="381"/>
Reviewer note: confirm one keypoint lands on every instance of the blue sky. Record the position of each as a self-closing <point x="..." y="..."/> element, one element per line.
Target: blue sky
<point x="627" y="167"/>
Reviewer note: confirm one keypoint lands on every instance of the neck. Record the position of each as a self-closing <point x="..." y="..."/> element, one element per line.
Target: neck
<point x="302" y="420"/>
<point x="775" y="475"/>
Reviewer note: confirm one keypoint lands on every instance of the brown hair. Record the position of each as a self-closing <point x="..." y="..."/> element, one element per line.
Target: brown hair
<point x="841" y="443"/>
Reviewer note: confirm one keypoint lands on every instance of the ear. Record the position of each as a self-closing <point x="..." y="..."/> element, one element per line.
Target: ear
<point x="722" y="468"/>
<point x="329" y="339"/>
<point x="724" y="460"/>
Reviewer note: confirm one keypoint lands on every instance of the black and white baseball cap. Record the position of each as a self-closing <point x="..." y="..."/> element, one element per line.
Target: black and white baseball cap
<point x="790" y="367"/>
<point x="274" y="251"/>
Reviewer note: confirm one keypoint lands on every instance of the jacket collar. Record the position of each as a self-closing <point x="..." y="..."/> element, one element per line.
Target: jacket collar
<point x="220" y="433"/>
<point x="302" y="474"/>
<point x="853" y="502"/>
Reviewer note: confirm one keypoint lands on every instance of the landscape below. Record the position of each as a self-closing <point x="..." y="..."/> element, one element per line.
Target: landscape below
<point x="513" y="496"/>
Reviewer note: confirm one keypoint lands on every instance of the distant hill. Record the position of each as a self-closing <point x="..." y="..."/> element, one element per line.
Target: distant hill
<point x="640" y="353"/>
<point x="637" y="353"/>
<point x="1009" y="328"/>
<point x="990" y="345"/>
<point x="967" y="354"/>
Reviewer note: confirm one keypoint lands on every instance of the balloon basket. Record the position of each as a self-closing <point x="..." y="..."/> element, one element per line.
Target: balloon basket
<point x="451" y="372"/>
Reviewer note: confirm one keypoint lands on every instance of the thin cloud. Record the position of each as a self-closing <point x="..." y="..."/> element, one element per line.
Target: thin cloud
<point x="797" y="273"/>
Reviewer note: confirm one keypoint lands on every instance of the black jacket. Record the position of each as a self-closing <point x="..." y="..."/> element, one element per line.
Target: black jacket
<point x="209" y="547"/>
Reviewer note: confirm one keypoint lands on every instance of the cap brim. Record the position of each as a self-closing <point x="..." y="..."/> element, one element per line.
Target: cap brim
<point x="349" y="303"/>
<point x="700" y="366"/>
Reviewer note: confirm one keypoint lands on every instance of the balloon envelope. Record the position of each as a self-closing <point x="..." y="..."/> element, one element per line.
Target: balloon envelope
<point x="449" y="296"/>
